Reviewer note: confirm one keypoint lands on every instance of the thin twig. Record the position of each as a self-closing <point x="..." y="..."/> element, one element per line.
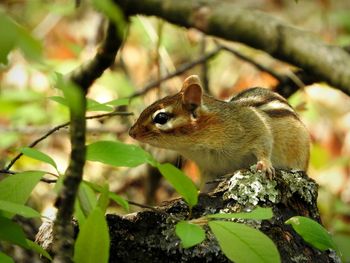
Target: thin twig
<point x="110" y="114"/>
<point x="8" y="167"/>
<point x="35" y="131"/>
<point x="293" y="82"/>
<point x="45" y="180"/>
<point x="183" y="68"/>
<point x="63" y="125"/>
<point x="251" y="61"/>
<point x="143" y="206"/>
<point x="287" y="83"/>
<point x="203" y="59"/>
<point x="4" y="171"/>
<point x="48" y="181"/>
<point x="284" y="80"/>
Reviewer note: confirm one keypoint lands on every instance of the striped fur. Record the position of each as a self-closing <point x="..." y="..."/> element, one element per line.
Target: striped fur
<point x="257" y="126"/>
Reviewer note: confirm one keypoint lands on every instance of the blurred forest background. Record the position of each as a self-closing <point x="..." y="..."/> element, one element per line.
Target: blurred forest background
<point x="57" y="36"/>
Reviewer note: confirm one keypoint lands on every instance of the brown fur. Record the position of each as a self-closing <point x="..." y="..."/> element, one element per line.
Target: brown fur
<point x="224" y="136"/>
<point x="281" y="113"/>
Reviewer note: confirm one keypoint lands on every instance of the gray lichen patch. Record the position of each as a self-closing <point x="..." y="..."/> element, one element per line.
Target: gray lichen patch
<point x="250" y="187"/>
<point x="307" y="189"/>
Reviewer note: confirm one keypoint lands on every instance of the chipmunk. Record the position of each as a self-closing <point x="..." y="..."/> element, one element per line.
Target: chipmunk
<point x="257" y="126"/>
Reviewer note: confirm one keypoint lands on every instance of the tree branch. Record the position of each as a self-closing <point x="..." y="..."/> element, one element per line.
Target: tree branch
<point x="286" y="85"/>
<point x="256" y="29"/>
<point x="251" y="61"/>
<point x="83" y="77"/>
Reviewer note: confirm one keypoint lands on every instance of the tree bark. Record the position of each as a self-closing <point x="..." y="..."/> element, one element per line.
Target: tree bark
<point x="149" y="236"/>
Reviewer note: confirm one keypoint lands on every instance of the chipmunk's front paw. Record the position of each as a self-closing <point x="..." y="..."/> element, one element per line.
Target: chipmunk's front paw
<point x="266" y="167"/>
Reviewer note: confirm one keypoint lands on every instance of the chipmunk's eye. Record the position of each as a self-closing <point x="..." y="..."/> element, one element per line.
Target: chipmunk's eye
<point x="161" y="118"/>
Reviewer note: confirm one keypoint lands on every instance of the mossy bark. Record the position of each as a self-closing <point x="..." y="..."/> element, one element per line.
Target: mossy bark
<point x="149" y="236"/>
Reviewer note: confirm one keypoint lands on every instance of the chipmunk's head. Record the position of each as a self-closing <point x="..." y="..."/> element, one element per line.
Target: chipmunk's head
<point x="174" y="121"/>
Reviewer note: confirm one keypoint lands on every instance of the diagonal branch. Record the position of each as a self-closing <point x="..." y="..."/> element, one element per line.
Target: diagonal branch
<point x="256" y="29"/>
<point x="255" y="64"/>
<point x="183" y="68"/>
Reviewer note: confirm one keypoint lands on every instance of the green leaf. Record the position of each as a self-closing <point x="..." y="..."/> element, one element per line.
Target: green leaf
<point x="17" y="187"/>
<point x="93" y="105"/>
<point x="13" y="35"/>
<point x="92" y="244"/>
<point x="78" y="213"/>
<point x="8" y="32"/>
<point x="5" y="258"/>
<point x="35" y="247"/>
<point x="18" y="209"/>
<point x="190" y="234"/>
<point x="119" y="200"/>
<point x="103" y="200"/>
<point x="182" y="184"/>
<point x="12" y="232"/>
<point x="38" y="155"/>
<point x="73" y="95"/>
<point x="30" y="46"/>
<point x="258" y="213"/>
<point x="241" y="243"/>
<point x="117" y="154"/>
<point x="87" y="198"/>
<point x="116" y="198"/>
<point x="59" y="100"/>
<point x="59" y="183"/>
<point x="312" y="232"/>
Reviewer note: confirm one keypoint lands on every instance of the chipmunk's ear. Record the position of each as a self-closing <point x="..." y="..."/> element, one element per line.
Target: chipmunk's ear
<point x="191" y="93"/>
